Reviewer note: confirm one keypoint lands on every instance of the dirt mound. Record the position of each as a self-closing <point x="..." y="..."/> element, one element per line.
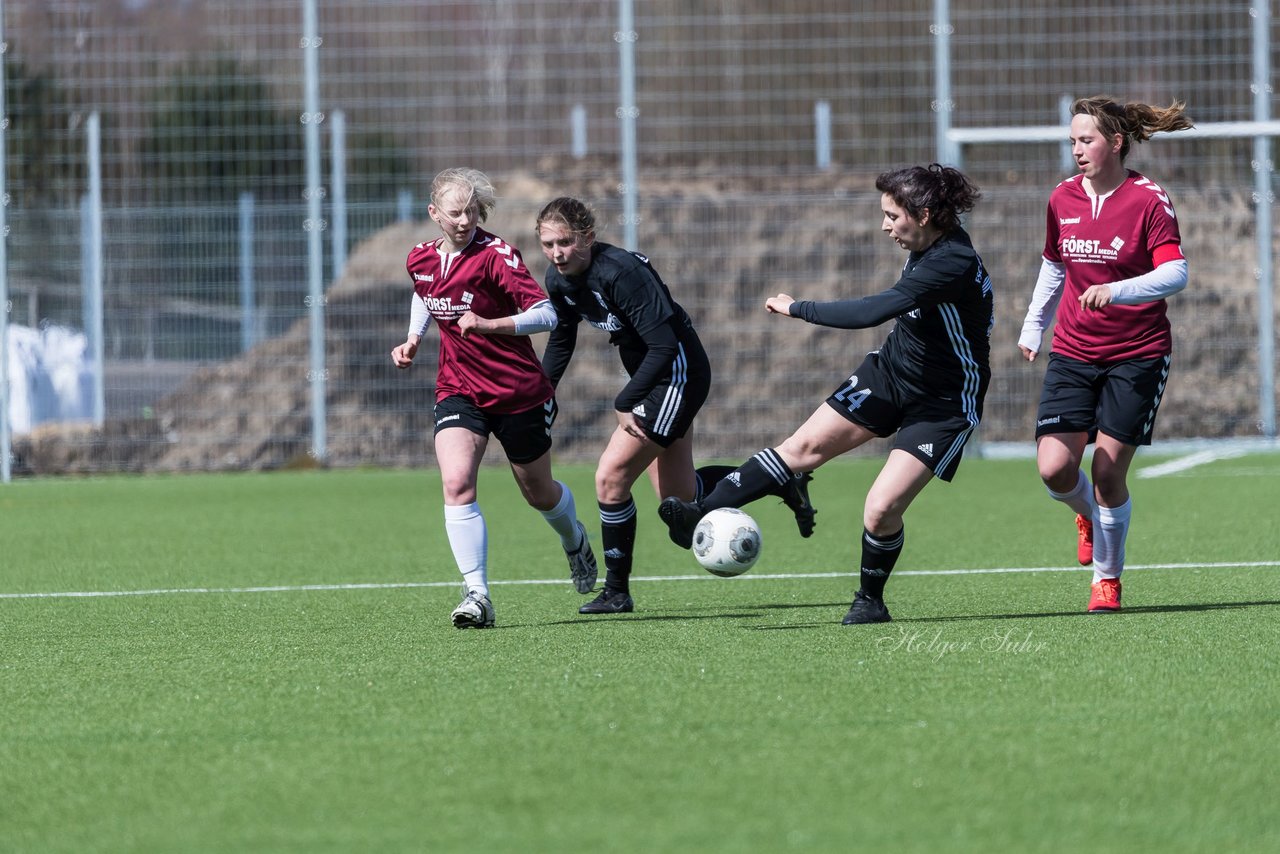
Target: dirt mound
<point x="254" y="412"/>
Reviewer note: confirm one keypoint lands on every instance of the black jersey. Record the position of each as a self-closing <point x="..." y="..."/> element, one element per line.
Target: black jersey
<point x="620" y="293"/>
<point x="940" y="347"/>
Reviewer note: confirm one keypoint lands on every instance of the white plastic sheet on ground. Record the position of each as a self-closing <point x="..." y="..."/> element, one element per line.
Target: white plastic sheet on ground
<point x="49" y="377"/>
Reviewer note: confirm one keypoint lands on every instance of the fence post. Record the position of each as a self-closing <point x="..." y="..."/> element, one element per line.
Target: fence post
<point x="578" y="131"/>
<point x="338" y="191"/>
<point x="627" y="113"/>
<point x="314" y="226"/>
<point x="5" y="449"/>
<point x="1066" y="160"/>
<point x="1262" y="169"/>
<point x="96" y="323"/>
<point x="942" y="105"/>
<point x="248" y="294"/>
<point x="822" y="134"/>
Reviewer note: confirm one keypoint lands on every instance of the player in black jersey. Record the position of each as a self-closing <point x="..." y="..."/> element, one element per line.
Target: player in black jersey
<point x="620" y="293"/>
<point x="926" y="383"/>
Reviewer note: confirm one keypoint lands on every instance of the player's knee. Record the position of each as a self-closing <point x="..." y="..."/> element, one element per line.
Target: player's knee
<point x="458" y="493"/>
<point x="1110" y="486"/>
<point x="541" y="498"/>
<point x="611" y="485"/>
<point x="881" y="517"/>
<point x="1057" y="476"/>
<point x="800" y="453"/>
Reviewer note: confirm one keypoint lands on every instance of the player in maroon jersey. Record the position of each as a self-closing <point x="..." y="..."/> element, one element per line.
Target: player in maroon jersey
<point x="1113" y="249"/>
<point x="488" y="384"/>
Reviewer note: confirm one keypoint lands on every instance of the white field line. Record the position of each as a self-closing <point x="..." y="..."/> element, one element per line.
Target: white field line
<point x="1190" y="461"/>
<point x="399" y="585"/>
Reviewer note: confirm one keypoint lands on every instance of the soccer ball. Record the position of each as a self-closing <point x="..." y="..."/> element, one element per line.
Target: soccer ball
<point x="726" y="542"/>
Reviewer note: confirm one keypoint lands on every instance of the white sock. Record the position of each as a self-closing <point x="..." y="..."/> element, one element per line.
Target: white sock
<point x="564" y="519"/>
<point x="1110" y="529"/>
<point x="469" y="539"/>
<point x="1079" y="499"/>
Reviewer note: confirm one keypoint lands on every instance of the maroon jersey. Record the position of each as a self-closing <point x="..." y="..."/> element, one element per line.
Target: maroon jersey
<point x="1100" y="240"/>
<point x="499" y="373"/>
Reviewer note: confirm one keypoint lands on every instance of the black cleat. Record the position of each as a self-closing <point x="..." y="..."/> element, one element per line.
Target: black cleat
<point x="609" y="602"/>
<point x="796" y="496"/>
<point x="582" y="564"/>
<point x="681" y="517"/>
<point x="866" y="610"/>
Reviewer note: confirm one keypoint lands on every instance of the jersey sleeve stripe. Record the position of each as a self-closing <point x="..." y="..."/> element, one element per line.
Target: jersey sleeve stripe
<point x="1166" y="252"/>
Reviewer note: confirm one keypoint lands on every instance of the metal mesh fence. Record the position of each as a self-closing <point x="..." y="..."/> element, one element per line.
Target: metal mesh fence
<point x="760" y="129"/>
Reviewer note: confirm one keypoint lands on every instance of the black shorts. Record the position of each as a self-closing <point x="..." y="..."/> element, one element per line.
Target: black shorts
<point x="668" y="411"/>
<point x="525" y="436"/>
<point x="1120" y="399"/>
<point x="933" y="434"/>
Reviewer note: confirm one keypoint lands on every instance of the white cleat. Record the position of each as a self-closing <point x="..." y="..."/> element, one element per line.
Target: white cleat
<point x="475" y="611"/>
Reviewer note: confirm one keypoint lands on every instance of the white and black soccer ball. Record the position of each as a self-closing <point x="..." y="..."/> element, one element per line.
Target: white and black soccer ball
<point x="726" y="542"/>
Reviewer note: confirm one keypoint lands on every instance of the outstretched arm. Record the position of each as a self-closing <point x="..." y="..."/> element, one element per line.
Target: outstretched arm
<point x="862" y="313"/>
<point x="539" y="317"/>
<point x="1164" y="281"/>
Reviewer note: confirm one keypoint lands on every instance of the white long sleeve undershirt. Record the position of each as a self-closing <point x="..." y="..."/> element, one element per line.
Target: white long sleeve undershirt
<point x="539" y="317"/>
<point x="1164" y="281"/>
<point x="1044" y="304"/>
<point x="419" y="317"/>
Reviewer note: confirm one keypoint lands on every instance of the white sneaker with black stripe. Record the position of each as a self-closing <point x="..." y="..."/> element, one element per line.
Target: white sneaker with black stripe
<point x="475" y="611"/>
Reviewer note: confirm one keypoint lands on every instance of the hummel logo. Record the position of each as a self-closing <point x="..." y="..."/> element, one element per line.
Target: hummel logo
<point x="638" y="410"/>
<point x="505" y="251"/>
<point x="1070" y="220"/>
<point x="423" y="277"/>
<point x="927" y="447"/>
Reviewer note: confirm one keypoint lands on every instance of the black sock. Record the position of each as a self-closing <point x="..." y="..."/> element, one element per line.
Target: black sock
<point x="618" y="536"/>
<point x="879" y="554"/>
<point x="759" y="476"/>
<point x="707" y="478"/>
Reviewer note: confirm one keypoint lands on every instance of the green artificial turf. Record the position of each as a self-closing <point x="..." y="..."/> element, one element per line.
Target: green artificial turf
<point x="274" y="670"/>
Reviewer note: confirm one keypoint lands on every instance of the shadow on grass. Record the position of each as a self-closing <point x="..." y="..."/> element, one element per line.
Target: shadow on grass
<point x="757" y="611"/>
<point x="710" y="613"/>
<point x="1137" y="609"/>
<point x="665" y="617"/>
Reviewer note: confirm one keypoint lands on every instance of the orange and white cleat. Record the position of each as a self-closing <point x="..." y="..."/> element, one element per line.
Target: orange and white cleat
<point x="1104" y="596"/>
<point x="1084" y="548"/>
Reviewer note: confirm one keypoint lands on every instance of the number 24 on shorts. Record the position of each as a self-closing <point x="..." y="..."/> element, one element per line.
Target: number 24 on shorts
<point x="850" y="398"/>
